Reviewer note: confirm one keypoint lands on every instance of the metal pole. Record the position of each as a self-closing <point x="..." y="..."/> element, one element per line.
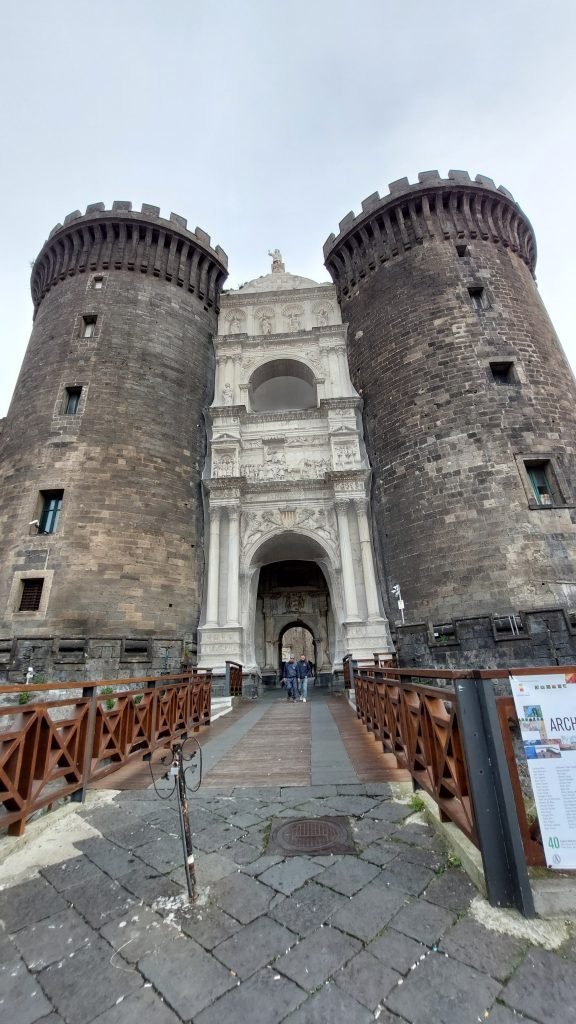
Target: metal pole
<point x="492" y="797"/>
<point x="186" y="834"/>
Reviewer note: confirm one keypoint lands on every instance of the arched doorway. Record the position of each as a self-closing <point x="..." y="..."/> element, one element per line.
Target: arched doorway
<point x="296" y="638"/>
<point x="293" y="600"/>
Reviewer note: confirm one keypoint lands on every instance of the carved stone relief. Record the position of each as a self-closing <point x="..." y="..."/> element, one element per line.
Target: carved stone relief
<point x="256" y="524"/>
<point x="323" y="314"/>
<point x="346" y="456"/>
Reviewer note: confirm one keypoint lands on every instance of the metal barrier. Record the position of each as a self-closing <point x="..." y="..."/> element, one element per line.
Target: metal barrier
<point x="55" y="748"/>
<point x="455" y="741"/>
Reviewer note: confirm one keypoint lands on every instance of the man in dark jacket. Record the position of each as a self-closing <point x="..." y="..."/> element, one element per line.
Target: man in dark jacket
<point x="290" y="679"/>
<point x="303" y="673"/>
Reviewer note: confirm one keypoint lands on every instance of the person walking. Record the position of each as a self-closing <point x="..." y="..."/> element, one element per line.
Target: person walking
<point x="290" y="679"/>
<point x="304" y="672"/>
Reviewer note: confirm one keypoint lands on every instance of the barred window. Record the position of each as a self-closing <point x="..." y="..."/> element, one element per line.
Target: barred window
<point x="31" y="595"/>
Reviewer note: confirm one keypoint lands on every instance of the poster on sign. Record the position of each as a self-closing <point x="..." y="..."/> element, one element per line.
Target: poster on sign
<point x="546" y="709"/>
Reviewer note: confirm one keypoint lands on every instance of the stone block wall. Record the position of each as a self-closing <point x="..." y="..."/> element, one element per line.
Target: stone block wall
<point x="126" y="559"/>
<point x="436" y="284"/>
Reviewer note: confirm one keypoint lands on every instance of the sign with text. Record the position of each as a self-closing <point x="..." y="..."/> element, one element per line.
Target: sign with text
<point x="546" y="709"/>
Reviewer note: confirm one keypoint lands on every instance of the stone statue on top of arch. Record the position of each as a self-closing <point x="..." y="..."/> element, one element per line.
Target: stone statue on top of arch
<point x="277" y="264"/>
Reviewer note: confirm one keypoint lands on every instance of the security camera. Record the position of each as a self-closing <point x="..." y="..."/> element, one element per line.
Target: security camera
<point x="35" y="522"/>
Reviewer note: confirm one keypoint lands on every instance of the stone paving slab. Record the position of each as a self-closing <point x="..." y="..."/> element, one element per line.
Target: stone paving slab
<point x="386" y="934"/>
<point x="266" y="998"/>
<point x="543" y="988"/>
<point x="255" y="946"/>
<point x="188" y="979"/>
<point x="455" y="990"/>
<point x="54" y="938"/>
<point x="317" y="957"/>
<point x="84" y="986"/>
<point x="367" y="980"/>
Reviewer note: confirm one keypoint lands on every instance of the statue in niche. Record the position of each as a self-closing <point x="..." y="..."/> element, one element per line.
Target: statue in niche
<point x="235" y="325"/>
<point x="227" y="394"/>
<point x="265" y="325"/>
<point x="322" y="318"/>
<point x="277" y="264"/>
<point x="293" y="321"/>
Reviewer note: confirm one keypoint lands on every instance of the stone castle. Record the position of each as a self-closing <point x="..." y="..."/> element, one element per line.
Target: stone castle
<point x="189" y="475"/>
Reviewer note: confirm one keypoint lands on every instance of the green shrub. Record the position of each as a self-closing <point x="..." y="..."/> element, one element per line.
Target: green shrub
<point x="24" y="697"/>
<point x="110" y="702"/>
<point x="417" y="803"/>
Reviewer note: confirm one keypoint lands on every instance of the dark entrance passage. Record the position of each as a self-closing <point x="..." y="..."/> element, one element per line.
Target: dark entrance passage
<point x="293" y="614"/>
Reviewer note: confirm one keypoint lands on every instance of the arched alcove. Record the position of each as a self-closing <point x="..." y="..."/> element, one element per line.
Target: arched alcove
<point x="282" y="384"/>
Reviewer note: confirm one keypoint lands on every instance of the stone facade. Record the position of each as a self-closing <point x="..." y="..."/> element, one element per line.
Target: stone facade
<point x="428" y="444"/>
<point x="287" y="477"/>
<point x="125" y="307"/>
<point x="466" y="389"/>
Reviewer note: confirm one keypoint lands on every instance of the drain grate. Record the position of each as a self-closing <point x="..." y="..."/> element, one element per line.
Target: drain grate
<point x="315" y="837"/>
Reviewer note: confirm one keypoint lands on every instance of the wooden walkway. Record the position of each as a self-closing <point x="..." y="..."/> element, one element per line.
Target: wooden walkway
<point x="276" y="751"/>
<point x="136" y="774"/>
<point x="370" y="762"/>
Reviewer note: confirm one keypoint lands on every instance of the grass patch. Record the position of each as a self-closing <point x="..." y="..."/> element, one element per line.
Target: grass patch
<point x="416" y="803"/>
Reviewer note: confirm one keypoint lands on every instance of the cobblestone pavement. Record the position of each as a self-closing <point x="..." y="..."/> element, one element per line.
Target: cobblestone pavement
<point x="386" y="934"/>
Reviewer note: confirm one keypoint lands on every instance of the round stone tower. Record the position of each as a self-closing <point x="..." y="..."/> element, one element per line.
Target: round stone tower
<point x="469" y="403"/>
<point x="102" y="449"/>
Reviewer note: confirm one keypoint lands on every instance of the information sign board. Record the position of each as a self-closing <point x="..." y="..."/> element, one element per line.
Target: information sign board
<point x="546" y="709"/>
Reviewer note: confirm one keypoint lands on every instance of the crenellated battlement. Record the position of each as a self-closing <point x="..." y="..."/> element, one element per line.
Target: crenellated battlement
<point x="451" y="208"/>
<point x="126" y="239"/>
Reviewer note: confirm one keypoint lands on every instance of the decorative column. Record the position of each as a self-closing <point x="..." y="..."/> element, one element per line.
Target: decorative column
<point x="344" y="372"/>
<point x="213" y="568"/>
<point x="370" y="588"/>
<point x="350" y="602"/>
<point x="233" y="568"/>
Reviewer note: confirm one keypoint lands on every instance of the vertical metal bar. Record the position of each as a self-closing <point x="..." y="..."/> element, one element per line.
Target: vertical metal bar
<point x="492" y="797"/>
<point x="79" y="795"/>
<point x="185" y="832"/>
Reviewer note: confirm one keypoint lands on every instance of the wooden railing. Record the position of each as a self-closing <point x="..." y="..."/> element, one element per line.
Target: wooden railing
<point x="54" y="748"/>
<point x="349" y="665"/>
<point x="234" y="676"/>
<point x="419" y="724"/>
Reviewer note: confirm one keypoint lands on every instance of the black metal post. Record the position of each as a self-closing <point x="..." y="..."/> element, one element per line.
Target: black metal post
<point x="185" y="831"/>
<point x="493" y="804"/>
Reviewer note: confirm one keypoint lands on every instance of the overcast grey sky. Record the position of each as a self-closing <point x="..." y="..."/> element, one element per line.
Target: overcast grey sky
<point x="265" y="122"/>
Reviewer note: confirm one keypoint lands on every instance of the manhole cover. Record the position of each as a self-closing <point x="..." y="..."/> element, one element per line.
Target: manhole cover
<point x="311" y="836"/>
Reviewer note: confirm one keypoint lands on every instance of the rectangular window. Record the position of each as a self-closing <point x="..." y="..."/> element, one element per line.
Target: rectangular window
<point x="50" y="514"/>
<point x="503" y="373"/>
<point x="445" y="633"/>
<point x="72" y="401"/>
<point x="135" y="650"/>
<point x="478" y="297"/>
<point x="88" y="326"/>
<point x="31" y="595"/>
<point x="507" y="626"/>
<point x="462" y="251"/>
<point x="541" y="477"/>
<point x="98" y="283"/>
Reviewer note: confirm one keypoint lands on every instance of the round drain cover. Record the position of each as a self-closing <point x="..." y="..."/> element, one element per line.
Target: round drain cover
<point x="313" y="836"/>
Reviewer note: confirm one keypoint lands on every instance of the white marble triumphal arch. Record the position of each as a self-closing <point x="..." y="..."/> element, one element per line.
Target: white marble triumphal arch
<point x="286" y="483"/>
